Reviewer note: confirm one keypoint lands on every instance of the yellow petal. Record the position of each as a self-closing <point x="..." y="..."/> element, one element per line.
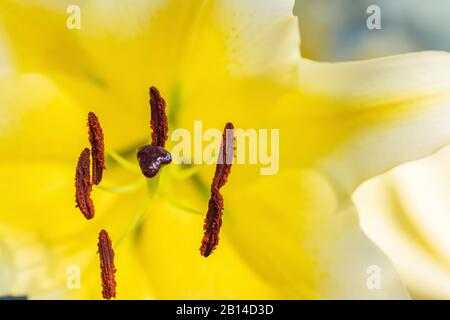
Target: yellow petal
<point x="54" y="50"/>
<point x="130" y="276"/>
<point x="119" y="221"/>
<point x="172" y="44"/>
<point x="166" y="40"/>
<point x="42" y="133"/>
<point x="37" y="193"/>
<point x="37" y="33"/>
<point x="170" y="252"/>
<point x="295" y="233"/>
<point x="7" y="269"/>
<point x="38" y="122"/>
<point x="6" y="63"/>
<point x="73" y="259"/>
<point x="359" y="119"/>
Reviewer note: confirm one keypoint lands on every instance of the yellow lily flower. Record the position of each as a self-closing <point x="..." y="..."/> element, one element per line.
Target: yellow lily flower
<point x="291" y="235"/>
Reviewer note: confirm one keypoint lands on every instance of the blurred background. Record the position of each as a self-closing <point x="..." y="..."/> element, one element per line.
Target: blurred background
<point x="406" y="212"/>
<point x="335" y="30"/>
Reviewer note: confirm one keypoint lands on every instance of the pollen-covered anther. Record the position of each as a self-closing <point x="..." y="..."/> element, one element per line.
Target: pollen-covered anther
<point x="107" y="267"/>
<point x="213" y="220"/>
<point x="158" y="122"/>
<point x="97" y="148"/>
<point x="83" y="186"/>
<point x="151" y="157"/>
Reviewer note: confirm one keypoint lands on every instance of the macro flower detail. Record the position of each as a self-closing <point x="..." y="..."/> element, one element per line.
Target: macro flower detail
<point x="213" y="220"/>
<point x="97" y="147"/>
<point x="293" y="235"/>
<point x="158" y="121"/>
<point x="83" y="179"/>
<point x="83" y="185"/>
<point x="152" y="156"/>
<point x="108" y="269"/>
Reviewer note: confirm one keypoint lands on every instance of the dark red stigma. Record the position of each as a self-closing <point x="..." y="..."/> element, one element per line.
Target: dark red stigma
<point x="151" y="158"/>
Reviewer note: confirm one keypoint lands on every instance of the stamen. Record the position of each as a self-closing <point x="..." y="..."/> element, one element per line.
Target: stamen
<point x="98" y="148"/>
<point x="107" y="267"/>
<point x="83" y="185"/>
<point x="226" y="156"/>
<point x="158" y="121"/>
<point x="213" y="220"/>
<point x="151" y="157"/>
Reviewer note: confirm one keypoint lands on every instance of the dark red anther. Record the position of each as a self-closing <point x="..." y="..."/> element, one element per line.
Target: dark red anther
<point x="213" y="220"/>
<point x="226" y="157"/>
<point x="97" y="147"/>
<point x="83" y="186"/>
<point x="108" y="269"/>
<point x="158" y="121"/>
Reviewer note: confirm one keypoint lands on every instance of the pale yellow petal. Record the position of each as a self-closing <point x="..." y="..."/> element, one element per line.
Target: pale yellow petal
<point x="295" y="233"/>
<point x="406" y="213"/>
<point x="7" y="269"/>
<point x="358" y="119"/>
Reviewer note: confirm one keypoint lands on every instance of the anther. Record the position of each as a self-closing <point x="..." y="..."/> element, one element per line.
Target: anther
<point x="107" y="266"/>
<point x="97" y="147"/>
<point x="213" y="220"/>
<point x="158" y="122"/>
<point x="83" y="185"/>
<point x="151" y="157"/>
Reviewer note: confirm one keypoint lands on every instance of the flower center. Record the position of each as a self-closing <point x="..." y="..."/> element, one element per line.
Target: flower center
<point x="151" y="158"/>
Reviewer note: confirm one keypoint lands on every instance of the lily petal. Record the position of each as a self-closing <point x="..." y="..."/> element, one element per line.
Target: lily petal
<point x="293" y="231"/>
<point x="405" y="212"/>
<point x="191" y="50"/>
<point x="363" y="118"/>
<point x="38" y="122"/>
<point x="7" y="269"/>
<point x="170" y="252"/>
<point x="42" y="132"/>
